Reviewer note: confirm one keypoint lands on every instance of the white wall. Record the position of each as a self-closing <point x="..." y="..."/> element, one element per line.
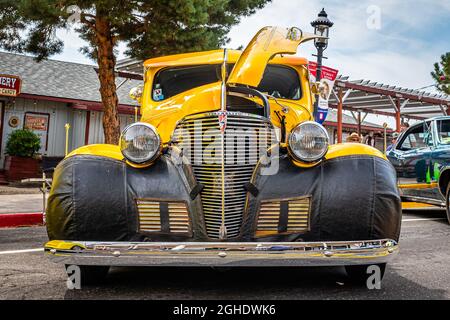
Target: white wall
<point x="96" y="134"/>
<point x="59" y="115"/>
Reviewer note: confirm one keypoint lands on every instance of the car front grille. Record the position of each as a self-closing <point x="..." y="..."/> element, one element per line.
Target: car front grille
<point x="246" y="138"/>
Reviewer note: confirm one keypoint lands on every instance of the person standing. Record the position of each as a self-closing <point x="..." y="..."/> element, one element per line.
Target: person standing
<point x="393" y="141"/>
<point x="370" y="139"/>
<point x="404" y="126"/>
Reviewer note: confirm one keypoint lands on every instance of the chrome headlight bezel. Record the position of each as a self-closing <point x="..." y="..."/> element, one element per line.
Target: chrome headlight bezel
<point x="151" y="156"/>
<point x="296" y="155"/>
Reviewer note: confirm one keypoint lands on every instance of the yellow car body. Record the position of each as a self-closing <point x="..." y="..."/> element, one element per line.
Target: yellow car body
<point x="343" y="209"/>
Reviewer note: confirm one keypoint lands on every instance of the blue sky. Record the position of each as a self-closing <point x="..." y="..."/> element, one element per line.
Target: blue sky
<point x="402" y="52"/>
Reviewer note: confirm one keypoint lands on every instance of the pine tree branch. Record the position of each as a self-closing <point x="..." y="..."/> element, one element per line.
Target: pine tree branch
<point x="89" y="23"/>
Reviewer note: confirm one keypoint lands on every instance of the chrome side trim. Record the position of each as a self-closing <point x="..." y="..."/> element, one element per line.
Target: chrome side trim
<point x="433" y="202"/>
<point x="223" y="254"/>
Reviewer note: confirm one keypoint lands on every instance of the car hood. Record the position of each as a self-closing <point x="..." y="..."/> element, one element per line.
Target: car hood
<point x="267" y="43"/>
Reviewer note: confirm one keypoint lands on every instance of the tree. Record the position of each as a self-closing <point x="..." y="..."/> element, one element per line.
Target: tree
<point x="148" y="28"/>
<point x="441" y="74"/>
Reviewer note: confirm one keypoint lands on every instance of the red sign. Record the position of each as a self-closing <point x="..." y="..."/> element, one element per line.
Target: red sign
<point x="36" y="122"/>
<point x="326" y="85"/>
<point x="10" y="85"/>
<point x="327" y="73"/>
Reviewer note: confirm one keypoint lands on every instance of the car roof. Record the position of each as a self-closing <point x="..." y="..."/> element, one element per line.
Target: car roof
<point x="439" y="118"/>
<point x="214" y="57"/>
<point x="431" y="119"/>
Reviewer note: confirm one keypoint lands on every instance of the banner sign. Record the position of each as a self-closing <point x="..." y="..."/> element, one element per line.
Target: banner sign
<point x="328" y="78"/>
<point x="38" y="123"/>
<point x="10" y="85"/>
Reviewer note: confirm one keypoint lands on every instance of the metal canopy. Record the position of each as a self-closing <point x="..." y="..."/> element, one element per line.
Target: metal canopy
<point x="365" y="96"/>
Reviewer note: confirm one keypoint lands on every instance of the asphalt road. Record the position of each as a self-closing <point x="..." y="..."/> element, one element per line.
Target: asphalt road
<point x="419" y="272"/>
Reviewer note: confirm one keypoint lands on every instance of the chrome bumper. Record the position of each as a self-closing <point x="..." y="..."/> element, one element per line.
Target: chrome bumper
<point x="248" y="254"/>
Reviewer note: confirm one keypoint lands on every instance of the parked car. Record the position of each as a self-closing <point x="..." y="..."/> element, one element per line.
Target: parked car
<point x="421" y="158"/>
<point x="226" y="168"/>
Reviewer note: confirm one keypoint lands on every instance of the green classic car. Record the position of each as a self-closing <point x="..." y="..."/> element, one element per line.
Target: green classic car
<point x="421" y="158"/>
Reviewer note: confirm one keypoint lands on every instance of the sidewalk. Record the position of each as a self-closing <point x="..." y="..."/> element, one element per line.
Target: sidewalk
<point x="20" y="203"/>
<point x="13" y="190"/>
<point x="19" y="210"/>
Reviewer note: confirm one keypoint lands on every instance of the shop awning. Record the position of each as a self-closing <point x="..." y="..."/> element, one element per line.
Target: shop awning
<point x="364" y="97"/>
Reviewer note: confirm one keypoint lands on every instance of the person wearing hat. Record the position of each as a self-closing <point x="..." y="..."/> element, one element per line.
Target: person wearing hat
<point x="393" y="141"/>
<point x="353" y="138"/>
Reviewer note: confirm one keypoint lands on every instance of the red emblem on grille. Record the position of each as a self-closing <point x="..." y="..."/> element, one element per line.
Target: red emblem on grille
<point x="223" y="121"/>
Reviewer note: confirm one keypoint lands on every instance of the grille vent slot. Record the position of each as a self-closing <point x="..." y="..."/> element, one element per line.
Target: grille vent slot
<point x="167" y="217"/>
<point x="273" y="219"/>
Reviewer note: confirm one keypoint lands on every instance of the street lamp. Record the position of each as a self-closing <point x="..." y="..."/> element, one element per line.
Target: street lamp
<point x="321" y="27"/>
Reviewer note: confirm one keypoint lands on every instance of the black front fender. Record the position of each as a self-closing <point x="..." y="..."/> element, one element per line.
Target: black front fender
<point x="353" y="198"/>
<point x="94" y="199"/>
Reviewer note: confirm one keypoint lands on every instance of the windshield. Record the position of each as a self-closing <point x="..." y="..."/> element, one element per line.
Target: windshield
<point x="278" y="81"/>
<point x="443" y="128"/>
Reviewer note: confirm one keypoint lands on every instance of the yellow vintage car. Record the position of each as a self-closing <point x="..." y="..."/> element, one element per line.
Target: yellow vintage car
<point x="226" y="168"/>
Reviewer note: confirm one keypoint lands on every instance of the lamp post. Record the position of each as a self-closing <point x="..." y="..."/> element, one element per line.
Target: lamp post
<point x="321" y="27"/>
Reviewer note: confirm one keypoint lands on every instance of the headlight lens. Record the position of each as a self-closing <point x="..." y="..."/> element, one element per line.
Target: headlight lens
<point x="308" y="142"/>
<point x="140" y="143"/>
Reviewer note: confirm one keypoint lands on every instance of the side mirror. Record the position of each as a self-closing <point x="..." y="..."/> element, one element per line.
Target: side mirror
<point x="136" y="93"/>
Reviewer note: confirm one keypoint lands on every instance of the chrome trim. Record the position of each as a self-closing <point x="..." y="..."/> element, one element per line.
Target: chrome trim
<point x="151" y="127"/>
<point x="433" y="202"/>
<point x="223" y="232"/>
<point x="292" y="153"/>
<point x="239" y="254"/>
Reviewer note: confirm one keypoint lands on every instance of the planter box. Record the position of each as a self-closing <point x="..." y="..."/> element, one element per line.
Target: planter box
<point x="18" y="168"/>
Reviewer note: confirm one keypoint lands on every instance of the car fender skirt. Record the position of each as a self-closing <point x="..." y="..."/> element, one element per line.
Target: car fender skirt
<point x="353" y="197"/>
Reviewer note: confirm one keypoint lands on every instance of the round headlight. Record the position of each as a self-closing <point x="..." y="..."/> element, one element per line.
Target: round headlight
<point x="140" y="143"/>
<point x="308" y="142"/>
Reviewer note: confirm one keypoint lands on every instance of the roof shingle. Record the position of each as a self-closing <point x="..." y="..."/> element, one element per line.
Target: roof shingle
<point x="60" y="79"/>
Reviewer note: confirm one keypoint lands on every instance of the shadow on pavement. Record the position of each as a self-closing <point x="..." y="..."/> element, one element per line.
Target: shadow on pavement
<point x="246" y="283"/>
<point x="430" y="213"/>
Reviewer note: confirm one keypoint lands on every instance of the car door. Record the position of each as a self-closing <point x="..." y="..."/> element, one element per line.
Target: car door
<point x="411" y="158"/>
<point x="440" y="157"/>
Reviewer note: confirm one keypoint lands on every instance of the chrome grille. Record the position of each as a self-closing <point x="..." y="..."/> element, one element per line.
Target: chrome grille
<point x="247" y="138"/>
<point x="298" y="211"/>
<point x="150" y="216"/>
<point x="178" y="217"/>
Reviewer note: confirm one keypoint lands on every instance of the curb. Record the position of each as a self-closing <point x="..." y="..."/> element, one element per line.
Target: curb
<point x="13" y="220"/>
